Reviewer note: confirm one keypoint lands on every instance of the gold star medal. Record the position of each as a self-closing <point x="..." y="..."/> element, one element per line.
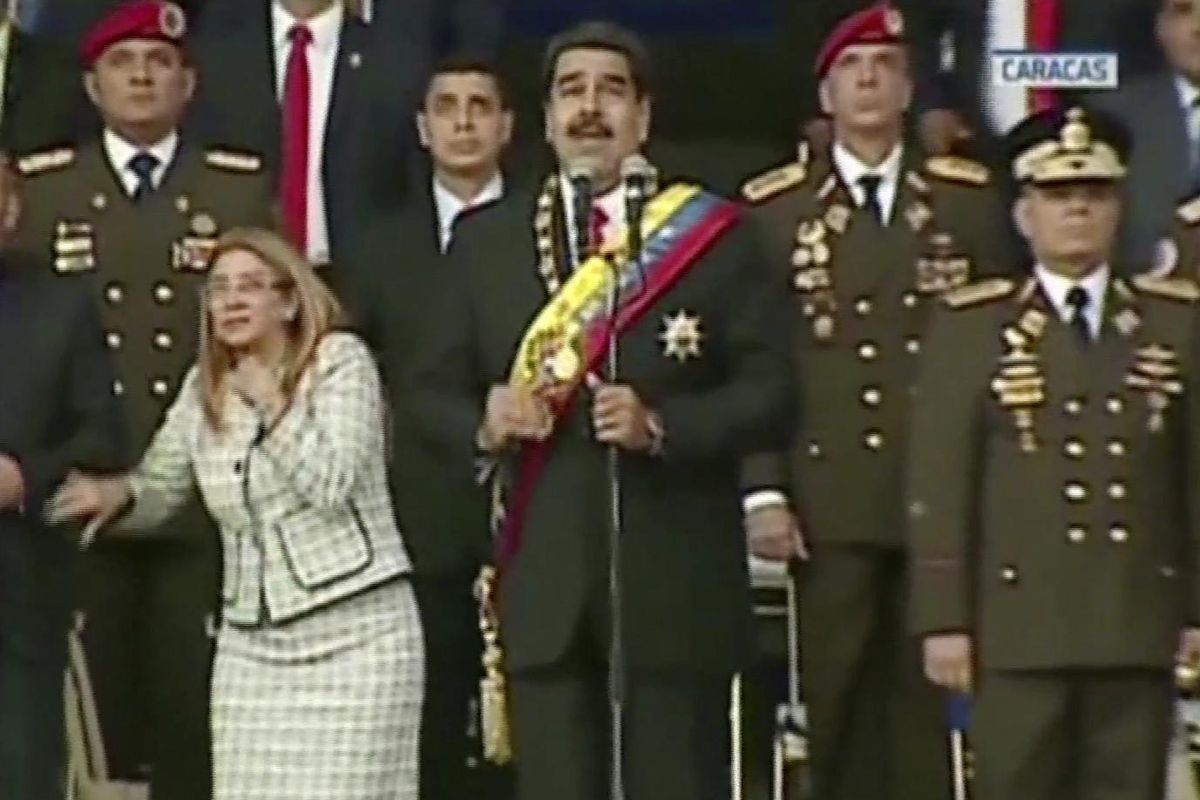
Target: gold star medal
<point x="681" y="336"/>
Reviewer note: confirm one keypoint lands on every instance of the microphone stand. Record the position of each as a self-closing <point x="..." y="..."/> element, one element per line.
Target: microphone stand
<point x="617" y="679"/>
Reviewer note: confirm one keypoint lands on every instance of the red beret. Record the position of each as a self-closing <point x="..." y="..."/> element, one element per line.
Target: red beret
<point x="135" y="19"/>
<point x="879" y="24"/>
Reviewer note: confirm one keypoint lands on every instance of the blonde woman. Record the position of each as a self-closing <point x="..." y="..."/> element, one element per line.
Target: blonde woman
<point x="317" y="684"/>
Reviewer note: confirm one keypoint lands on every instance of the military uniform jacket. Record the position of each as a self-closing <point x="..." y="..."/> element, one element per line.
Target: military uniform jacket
<point x="147" y="259"/>
<point x="721" y="395"/>
<point x="861" y="295"/>
<point x="1054" y="511"/>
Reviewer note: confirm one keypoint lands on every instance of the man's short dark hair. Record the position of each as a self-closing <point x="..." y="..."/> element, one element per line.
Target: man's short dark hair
<point x="600" y="35"/>
<point x="465" y="64"/>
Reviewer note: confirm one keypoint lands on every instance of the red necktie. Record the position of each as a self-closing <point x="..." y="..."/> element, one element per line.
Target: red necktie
<point x="293" y="177"/>
<point x="1045" y="23"/>
<point x="596" y="225"/>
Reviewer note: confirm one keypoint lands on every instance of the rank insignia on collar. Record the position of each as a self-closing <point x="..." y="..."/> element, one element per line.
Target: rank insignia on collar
<point x="681" y="336"/>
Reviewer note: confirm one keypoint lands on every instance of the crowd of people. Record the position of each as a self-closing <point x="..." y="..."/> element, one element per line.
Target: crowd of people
<point x="342" y="458"/>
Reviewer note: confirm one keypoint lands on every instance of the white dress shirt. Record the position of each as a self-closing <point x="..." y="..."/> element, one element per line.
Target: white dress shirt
<point x="851" y="168"/>
<point x="119" y="151"/>
<point x="449" y="207"/>
<point x="611" y="203"/>
<point x="326" y="29"/>
<point x="1057" y="286"/>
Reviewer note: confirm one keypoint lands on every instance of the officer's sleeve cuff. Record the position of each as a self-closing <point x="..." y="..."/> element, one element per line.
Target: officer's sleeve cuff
<point x="763" y="498"/>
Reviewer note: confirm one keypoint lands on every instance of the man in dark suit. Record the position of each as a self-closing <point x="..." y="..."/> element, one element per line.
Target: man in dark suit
<point x="704" y="376"/>
<point x="465" y="124"/>
<point x="1053" y="521"/>
<point x="43" y="99"/>
<point x="142" y="207"/>
<point x="953" y="40"/>
<point x="328" y="104"/>
<point x="1162" y="112"/>
<point x="56" y="414"/>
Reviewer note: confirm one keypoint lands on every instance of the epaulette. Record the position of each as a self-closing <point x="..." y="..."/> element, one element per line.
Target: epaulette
<point x="957" y="170"/>
<point x="773" y="181"/>
<point x="36" y="163"/>
<point x="233" y="160"/>
<point x="1182" y="289"/>
<point x="984" y="291"/>
<point x="1189" y="212"/>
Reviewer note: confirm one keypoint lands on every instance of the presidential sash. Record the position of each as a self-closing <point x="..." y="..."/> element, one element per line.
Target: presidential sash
<point x="568" y="340"/>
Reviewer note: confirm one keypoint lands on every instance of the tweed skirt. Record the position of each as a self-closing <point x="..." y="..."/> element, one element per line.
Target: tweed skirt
<point x="326" y="707"/>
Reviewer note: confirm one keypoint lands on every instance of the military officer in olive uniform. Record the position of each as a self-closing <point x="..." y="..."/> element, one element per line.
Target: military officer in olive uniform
<point x="1054" y="517"/>
<point x="139" y="209"/>
<point x="870" y="233"/>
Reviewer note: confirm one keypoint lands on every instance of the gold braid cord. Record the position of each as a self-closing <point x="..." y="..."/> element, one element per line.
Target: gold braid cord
<point x="493" y="688"/>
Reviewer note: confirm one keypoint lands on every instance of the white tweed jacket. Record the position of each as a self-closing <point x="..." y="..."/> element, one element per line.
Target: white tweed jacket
<point x="304" y="511"/>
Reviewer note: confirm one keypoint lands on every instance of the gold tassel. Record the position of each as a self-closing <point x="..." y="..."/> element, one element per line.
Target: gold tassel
<point x="493" y="689"/>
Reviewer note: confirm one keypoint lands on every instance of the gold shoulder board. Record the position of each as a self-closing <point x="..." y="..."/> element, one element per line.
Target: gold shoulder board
<point x="773" y="181"/>
<point x="957" y="170"/>
<point x="984" y="291"/>
<point x="1189" y="212"/>
<point x="233" y="161"/>
<point x="36" y="163"/>
<point x="1181" y="289"/>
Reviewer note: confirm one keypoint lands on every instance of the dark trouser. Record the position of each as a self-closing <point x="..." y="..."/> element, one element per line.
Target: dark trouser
<point x="676" y="731"/>
<point x="1091" y="734"/>
<point x="147" y="608"/>
<point x="877" y="728"/>
<point x="35" y="604"/>
<point x="453" y="648"/>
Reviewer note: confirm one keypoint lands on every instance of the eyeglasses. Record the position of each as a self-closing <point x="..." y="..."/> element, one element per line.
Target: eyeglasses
<point x="220" y="289"/>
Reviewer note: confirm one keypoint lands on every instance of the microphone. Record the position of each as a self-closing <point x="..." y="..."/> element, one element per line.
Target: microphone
<point x="637" y="179"/>
<point x="581" y="174"/>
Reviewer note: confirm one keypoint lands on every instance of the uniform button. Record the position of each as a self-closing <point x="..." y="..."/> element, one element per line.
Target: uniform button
<point x="114" y="293"/>
<point x="868" y="351"/>
<point x="909" y="300"/>
<point x="1074" y="448"/>
<point x="118" y="388"/>
<point x="1076" y="535"/>
<point x="1008" y="575"/>
<point x="862" y="306"/>
<point x="871" y="396"/>
<point x="1167" y="572"/>
<point x="814" y="449"/>
<point x="913" y="346"/>
<point x="163" y="340"/>
<point x="1073" y="406"/>
<point x="873" y="440"/>
<point x="159" y="387"/>
<point x="1115" y="405"/>
<point x="1117" y="491"/>
<point x="1116" y="448"/>
<point x="113" y="339"/>
<point x="1075" y="492"/>
<point x="1118" y="534"/>
<point x="163" y="293"/>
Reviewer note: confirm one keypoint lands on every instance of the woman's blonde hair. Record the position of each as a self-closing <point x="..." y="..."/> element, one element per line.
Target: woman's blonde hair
<point x="317" y="313"/>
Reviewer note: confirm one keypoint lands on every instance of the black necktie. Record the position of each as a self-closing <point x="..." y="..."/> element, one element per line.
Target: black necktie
<point x="1078" y="301"/>
<point x="870" y="187"/>
<point x="143" y="165"/>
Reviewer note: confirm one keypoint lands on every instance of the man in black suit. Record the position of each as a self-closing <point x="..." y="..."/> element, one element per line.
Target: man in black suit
<point x="56" y="414"/>
<point x="328" y="104"/>
<point x="953" y="39"/>
<point x="465" y="124"/>
<point x="704" y="377"/>
<point x="1162" y="112"/>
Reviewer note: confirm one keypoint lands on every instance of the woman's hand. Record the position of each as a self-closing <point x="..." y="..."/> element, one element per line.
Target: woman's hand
<point x="93" y="498"/>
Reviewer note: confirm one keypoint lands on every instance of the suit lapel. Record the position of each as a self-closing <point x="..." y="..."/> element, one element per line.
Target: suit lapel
<point x="347" y="84"/>
<point x="252" y="65"/>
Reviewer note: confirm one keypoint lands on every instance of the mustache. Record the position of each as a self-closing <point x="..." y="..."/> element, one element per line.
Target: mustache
<point x="591" y="125"/>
